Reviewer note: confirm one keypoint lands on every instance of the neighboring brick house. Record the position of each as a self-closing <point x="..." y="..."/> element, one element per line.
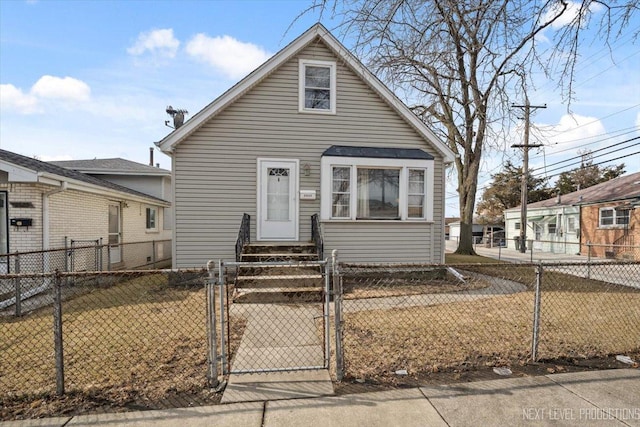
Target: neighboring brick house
<point x="43" y="205"/>
<point x="606" y="215"/>
<point x="610" y="218"/>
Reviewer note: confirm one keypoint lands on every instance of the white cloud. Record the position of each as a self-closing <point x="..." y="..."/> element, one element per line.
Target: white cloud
<point x="574" y="129"/>
<point x="47" y="88"/>
<point x="161" y="43"/>
<point x="570" y="16"/>
<point x="12" y="98"/>
<point x="226" y="54"/>
<point x="66" y="88"/>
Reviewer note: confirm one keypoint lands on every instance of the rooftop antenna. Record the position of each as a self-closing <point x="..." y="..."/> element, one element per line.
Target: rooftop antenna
<point x="177" y="115"/>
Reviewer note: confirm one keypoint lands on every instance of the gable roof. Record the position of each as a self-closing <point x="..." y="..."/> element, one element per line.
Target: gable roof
<point x="168" y="143"/>
<point x="626" y="187"/>
<point x="114" y="166"/>
<point x="49" y="173"/>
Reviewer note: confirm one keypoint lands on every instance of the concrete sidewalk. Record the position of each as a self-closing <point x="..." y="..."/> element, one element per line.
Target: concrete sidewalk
<point x="594" y="398"/>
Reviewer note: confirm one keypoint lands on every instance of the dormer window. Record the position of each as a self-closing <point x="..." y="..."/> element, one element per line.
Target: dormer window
<point x="317" y="86"/>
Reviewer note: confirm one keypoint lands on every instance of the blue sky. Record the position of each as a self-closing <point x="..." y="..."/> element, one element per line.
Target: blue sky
<point x="85" y="79"/>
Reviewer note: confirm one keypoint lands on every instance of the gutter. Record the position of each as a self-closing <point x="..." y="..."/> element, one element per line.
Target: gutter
<point x="45" y="212"/>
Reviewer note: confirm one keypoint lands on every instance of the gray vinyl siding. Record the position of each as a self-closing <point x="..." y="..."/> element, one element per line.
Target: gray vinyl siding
<point x="215" y="168"/>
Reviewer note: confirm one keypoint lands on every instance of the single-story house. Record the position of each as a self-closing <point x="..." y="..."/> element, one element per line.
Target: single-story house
<point x="604" y="214"/>
<point x="311" y="131"/>
<point x="147" y="179"/>
<point x="44" y="206"/>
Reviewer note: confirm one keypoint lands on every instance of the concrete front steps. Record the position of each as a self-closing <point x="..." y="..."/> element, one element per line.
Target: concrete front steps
<point x="288" y="280"/>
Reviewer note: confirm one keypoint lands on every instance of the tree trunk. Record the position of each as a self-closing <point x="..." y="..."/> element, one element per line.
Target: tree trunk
<point x="465" y="244"/>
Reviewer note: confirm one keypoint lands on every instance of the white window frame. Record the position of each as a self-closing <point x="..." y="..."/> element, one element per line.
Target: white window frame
<point x="328" y="162"/>
<point x="615" y="217"/>
<point x="301" y="85"/>
<point x="155" y="220"/>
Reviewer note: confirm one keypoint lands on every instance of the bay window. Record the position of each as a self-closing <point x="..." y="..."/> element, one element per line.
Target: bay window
<point x="376" y="189"/>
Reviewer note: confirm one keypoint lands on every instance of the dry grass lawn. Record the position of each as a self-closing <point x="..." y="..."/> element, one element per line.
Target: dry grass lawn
<point x="579" y="318"/>
<point x="139" y="340"/>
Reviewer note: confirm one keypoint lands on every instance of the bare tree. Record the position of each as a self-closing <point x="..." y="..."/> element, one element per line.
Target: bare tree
<point x="460" y="63"/>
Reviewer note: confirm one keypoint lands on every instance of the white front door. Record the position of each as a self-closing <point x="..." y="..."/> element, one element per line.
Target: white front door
<point x="277" y="199"/>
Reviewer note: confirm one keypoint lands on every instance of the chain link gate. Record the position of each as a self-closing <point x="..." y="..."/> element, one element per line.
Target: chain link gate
<point x="272" y="316"/>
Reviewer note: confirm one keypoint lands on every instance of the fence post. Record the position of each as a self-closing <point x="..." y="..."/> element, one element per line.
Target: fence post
<point x="531" y="251"/>
<point x="101" y="249"/>
<point x="536" y="314"/>
<point x="588" y="260"/>
<point x="57" y="332"/>
<point x="18" y="288"/>
<point x="66" y="254"/>
<point x="212" y="353"/>
<point x="337" y="302"/>
<point x="223" y="289"/>
<point x="153" y="253"/>
<point x="108" y="257"/>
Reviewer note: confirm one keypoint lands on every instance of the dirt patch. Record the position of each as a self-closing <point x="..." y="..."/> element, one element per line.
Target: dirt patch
<point x="469" y="373"/>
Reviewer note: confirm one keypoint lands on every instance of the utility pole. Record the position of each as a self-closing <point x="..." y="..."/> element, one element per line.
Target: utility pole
<point x="525" y="169"/>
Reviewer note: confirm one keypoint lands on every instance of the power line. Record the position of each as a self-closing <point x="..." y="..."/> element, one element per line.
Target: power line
<point x="633" y="129"/>
<point x="580" y="162"/>
<point x="600" y="149"/>
<point x="599" y="163"/>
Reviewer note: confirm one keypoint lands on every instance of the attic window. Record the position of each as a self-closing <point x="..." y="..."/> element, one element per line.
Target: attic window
<point x="317" y="86"/>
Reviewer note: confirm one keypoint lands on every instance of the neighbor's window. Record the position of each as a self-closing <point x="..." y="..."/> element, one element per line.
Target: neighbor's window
<point x="551" y="228"/>
<point x="152" y="214"/>
<point x="517" y="226"/>
<point x="317" y="86"/>
<point x="374" y="189"/>
<point x="611" y="217"/>
<point x="571" y="224"/>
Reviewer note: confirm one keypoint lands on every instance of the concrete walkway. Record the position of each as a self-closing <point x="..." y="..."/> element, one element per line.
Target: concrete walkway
<point x="278" y="337"/>
<point x="595" y="398"/>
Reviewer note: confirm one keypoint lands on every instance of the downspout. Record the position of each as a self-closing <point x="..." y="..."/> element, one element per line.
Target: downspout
<point x="45" y="213"/>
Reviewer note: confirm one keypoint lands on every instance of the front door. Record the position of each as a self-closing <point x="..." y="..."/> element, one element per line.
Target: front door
<point x="115" y="250"/>
<point x="277" y="199"/>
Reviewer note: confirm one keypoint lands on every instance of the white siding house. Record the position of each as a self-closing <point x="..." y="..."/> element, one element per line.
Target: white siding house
<point x="311" y="131"/>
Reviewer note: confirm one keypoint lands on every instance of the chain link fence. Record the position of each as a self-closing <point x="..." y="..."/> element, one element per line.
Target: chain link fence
<point x="149" y="339"/>
<point x="90" y="255"/>
<point x="283" y="310"/>
<point x="120" y="339"/>
<point x="419" y="319"/>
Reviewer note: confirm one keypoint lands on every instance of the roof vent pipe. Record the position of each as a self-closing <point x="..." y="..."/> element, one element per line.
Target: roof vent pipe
<point x="150" y="156"/>
<point x="559" y="200"/>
